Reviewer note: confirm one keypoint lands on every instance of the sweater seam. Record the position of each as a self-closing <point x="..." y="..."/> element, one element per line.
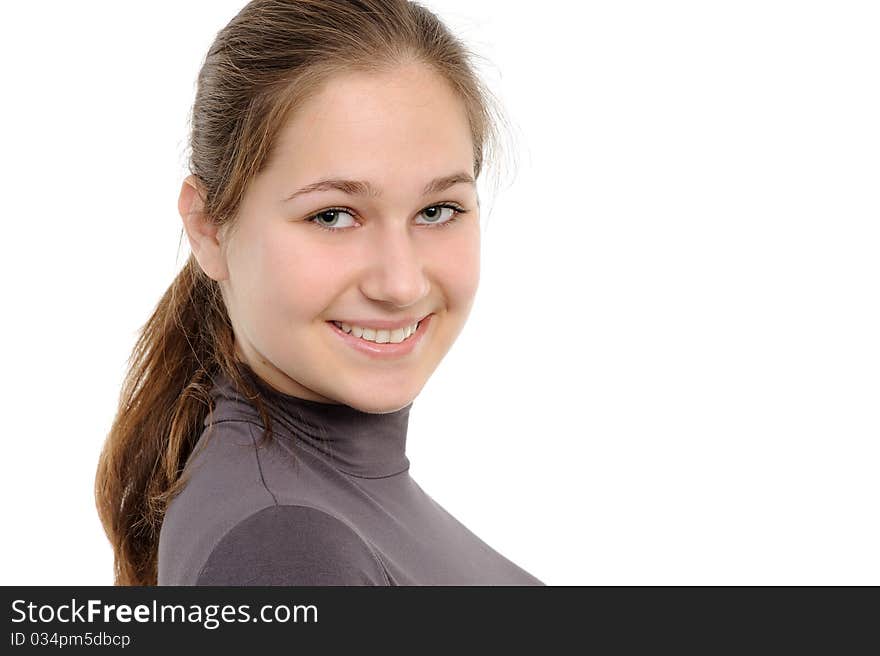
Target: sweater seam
<point x="363" y="541"/>
<point x="260" y="468"/>
<point x="275" y="504"/>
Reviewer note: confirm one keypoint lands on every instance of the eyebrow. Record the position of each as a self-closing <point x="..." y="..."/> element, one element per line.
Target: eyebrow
<point x="364" y="188"/>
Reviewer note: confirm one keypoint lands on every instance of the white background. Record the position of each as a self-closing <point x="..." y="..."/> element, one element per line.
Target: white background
<point x="671" y="373"/>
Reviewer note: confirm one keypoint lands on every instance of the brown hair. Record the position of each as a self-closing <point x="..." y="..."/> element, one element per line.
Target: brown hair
<point x="270" y="57"/>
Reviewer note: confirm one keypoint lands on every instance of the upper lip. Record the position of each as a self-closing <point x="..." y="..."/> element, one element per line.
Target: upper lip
<point x="382" y="324"/>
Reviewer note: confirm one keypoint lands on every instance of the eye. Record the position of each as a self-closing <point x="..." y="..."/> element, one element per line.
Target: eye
<point x="329" y="219"/>
<point x="434" y="214"/>
<point x="330" y="216"/>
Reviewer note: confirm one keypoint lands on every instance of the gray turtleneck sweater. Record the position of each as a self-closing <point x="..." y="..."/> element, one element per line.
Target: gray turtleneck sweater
<point x="328" y="501"/>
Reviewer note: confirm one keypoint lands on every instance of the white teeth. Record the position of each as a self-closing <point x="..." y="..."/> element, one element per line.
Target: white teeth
<point x="379" y="336"/>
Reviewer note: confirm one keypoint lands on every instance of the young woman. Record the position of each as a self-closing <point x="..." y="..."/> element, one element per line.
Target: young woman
<point x="333" y="217"/>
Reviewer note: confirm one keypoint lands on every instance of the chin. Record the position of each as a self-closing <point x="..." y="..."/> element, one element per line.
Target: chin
<point x="379" y="404"/>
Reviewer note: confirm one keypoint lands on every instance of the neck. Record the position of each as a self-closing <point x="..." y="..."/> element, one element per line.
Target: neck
<point x="362" y="444"/>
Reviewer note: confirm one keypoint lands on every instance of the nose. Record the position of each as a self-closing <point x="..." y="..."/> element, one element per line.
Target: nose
<point x="396" y="270"/>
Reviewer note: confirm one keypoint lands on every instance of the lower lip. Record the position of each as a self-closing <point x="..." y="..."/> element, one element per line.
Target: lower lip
<point x="388" y="350"/>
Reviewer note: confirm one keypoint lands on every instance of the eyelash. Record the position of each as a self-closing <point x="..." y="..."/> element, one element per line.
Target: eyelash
<point x="452" y="206"/>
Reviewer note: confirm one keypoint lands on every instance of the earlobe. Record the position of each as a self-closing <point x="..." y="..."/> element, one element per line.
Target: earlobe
<point x="202" y="233"/>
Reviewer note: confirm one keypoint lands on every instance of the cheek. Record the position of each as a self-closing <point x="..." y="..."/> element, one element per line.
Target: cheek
<point x="460" y="268"/>
<point x="293" y="280"/>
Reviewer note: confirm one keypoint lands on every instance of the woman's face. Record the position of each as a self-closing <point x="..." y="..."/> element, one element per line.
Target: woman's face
<point x="292" y="266"/>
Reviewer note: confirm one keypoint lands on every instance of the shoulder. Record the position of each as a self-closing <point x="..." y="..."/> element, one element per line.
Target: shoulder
<point x="292" y="545"/>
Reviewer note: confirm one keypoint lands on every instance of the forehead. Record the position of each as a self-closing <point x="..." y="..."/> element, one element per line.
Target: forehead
<point x="406" y="122"/>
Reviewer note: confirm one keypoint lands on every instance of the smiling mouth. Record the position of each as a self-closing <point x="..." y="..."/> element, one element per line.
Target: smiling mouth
<point x="380" y="336"/>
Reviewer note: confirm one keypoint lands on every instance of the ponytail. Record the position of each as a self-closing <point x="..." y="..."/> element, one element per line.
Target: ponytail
<point x="164" y="401"/>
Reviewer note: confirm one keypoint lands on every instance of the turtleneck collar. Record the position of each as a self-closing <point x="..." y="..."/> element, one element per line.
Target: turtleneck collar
<point x="358" y="443"/>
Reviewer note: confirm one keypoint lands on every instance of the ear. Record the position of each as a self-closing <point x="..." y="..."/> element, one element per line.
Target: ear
<point x="202" y="233"/>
